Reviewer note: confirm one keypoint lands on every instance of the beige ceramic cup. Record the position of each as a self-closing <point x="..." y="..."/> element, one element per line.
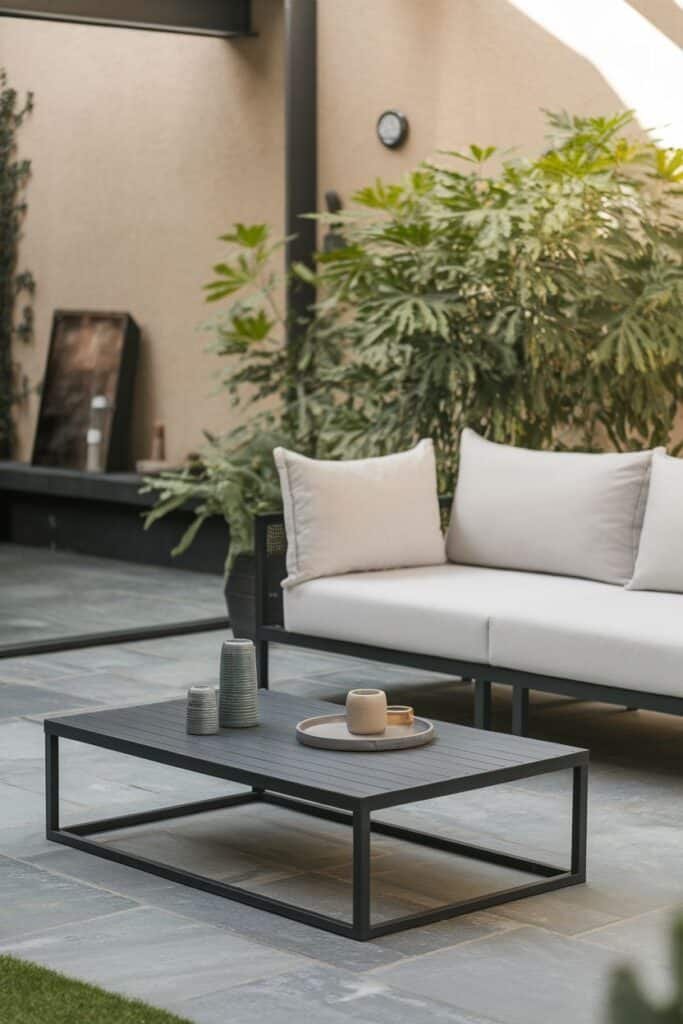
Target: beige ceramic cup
<point x="366" y="712"/>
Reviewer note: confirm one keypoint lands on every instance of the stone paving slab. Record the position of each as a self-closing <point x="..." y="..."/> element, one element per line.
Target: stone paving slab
<point x="323" y="995"/>
<point x="33" y="900"/>
<point x="16" y="699"/>
<point x="527" y="976"/>
<point x="49" y="594"/>
<point x="153" y="955"/>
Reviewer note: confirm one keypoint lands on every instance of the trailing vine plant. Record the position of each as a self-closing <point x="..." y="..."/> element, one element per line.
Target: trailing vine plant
<point x="14" y="174"/>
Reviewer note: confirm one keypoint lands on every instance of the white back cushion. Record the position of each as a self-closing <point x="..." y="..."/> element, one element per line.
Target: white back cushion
<point x="567" y="513"/>
<point x="659" y="565"/>
<point x="360" y="514"/>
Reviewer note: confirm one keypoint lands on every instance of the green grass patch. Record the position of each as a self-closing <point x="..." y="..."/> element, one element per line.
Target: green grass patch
<point x="34" y="995"/>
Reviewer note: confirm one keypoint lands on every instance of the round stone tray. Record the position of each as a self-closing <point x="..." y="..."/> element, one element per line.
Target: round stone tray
<point x="330" y="733"/>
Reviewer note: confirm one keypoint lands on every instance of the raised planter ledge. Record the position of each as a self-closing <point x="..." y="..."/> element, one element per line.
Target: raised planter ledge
<point x="100" y="514"/>
<point x="73" y="483"/>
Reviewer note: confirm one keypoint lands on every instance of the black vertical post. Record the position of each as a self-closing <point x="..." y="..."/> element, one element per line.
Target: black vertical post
<point x="361" y="874"/>
<point x="260" y="598"/>
<point x="51" y="783"/>
<point x="520" y="710"/>
<point x="482" y="704"/>
<point x="301" y="148"/>
<point x="579" y="820"/>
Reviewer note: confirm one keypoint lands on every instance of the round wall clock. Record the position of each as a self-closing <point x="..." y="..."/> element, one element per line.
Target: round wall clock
<point x="392" y="128"/>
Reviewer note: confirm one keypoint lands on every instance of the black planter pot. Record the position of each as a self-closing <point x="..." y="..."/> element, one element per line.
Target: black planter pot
<point x="240" y="597"/>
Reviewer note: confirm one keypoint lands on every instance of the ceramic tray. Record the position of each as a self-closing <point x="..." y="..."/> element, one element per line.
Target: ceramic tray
<point x="330" y="733"/>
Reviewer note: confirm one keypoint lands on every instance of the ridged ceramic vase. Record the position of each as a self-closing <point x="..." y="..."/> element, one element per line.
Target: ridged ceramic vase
<point x="202" y="711"/>
<point x="238" y="691"/>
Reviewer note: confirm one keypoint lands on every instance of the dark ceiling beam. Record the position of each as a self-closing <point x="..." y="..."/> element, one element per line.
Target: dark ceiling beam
<point x="225" y="18"/>
<point x="301" y="146"/>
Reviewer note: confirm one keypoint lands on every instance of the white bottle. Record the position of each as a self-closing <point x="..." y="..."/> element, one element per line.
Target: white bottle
<point x="93" y="456"/>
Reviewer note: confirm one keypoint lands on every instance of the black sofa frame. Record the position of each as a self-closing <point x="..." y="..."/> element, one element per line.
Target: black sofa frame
<point x="270" y="548"/>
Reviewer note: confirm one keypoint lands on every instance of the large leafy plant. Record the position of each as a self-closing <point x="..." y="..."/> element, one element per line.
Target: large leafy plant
<point x="541" y="304"/>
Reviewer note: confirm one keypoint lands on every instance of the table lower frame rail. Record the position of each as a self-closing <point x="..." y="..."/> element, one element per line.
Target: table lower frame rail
<point x="360" y="928"/>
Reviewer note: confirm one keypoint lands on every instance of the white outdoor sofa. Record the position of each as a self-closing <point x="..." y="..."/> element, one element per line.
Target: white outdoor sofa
<point x="531" y="630"/>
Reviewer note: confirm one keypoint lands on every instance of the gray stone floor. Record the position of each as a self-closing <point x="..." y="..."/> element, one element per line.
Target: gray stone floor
<point x="540" y="960"/>
<point x="49" y="594"/>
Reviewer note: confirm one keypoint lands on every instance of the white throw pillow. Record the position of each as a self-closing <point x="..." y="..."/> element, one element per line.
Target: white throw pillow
<point x="568" y="513"/>
<point x="659" y="565"/>
<point x="360" y="514"/>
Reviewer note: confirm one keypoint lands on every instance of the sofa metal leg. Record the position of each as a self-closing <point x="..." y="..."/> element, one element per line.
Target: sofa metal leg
<point x="520" y="710"/>
<point x="262" y="663"/>
<point x="482" y="704"/>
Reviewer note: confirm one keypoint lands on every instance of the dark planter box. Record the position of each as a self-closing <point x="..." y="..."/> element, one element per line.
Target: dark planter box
<point x="100" y="514"/>
<point x="240" y="593"/>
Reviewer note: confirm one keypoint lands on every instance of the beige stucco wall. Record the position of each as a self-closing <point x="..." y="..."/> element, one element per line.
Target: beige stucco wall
<point x="145" y="146"/>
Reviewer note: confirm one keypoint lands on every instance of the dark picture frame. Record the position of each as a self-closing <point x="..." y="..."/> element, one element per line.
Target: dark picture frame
<point x="91" y="353"/>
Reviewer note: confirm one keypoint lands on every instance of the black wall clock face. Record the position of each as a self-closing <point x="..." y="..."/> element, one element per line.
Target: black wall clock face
<point x="392" y="128"/>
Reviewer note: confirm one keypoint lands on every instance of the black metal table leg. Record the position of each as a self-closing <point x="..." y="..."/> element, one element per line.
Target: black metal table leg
<point x="520" y="710"/>
<point x="361" y="874"/>
<point x="262" y="663"/>
<point x="579" y="820"/>
<point x="51" y="783"/>
<point x="482" y="704"/>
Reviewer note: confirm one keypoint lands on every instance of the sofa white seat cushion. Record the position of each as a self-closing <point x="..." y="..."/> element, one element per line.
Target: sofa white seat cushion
<point x="591" y="632"/>
<point x="551" y="625"/>
<point x="429" y="610"/>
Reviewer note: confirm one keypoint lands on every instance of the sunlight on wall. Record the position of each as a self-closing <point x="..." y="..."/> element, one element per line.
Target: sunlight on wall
<point x="642" y="65"/>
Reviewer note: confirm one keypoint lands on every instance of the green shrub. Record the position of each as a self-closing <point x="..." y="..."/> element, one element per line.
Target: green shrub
<point x="541" y="305"/>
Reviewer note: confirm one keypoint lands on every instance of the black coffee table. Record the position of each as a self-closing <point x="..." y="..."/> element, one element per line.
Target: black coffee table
<point x="341" y="787"/>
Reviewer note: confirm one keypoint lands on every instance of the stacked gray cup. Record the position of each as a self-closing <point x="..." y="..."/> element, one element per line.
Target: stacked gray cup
<point x="202" y="711"/>
<point x="238" y="696"/>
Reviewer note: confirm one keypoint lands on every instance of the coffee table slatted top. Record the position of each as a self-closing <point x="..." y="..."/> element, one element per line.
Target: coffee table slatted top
<point x="269" y="756"/>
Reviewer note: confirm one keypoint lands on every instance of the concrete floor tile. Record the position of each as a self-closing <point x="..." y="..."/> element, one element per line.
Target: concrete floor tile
<point x="323" y="995"/>
<point x="17" y="699"/>
<point x="23" y="808"/>
<point x="647" y="935"/>
<point x="50" y="594"/>
<point x="105" y="874"/>
<point x="76" y="787"/>
<point x="417" y="941"/>
<point x="41" y="668"/>
<point x="25" y="841"/>
<point x="105" y="688"/>
<point x="95" y="659"/>
<point x="22" y="744"/>
<point x="152" y="955"/>
<point x="527" y="976"/>
<point x="33" y="900"/>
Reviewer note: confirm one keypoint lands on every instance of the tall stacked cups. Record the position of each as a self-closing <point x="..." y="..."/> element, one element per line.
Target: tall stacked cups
<point x="238" y="696"/>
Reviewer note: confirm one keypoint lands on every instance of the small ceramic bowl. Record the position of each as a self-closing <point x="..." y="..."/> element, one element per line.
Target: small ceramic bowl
<point x="400" y="714"/>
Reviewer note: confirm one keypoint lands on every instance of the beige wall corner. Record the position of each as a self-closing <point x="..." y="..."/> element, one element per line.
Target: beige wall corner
<point x="145" y="146"/>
